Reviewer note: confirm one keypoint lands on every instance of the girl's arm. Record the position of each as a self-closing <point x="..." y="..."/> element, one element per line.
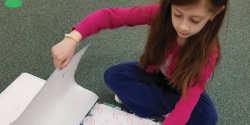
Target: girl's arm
<point x="183" y="108"/>
<point x="102" y="19"/>
<point x="115" y="17"/>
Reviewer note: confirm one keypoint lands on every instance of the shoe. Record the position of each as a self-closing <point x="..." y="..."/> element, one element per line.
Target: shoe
<point x="117" y="99"/>
<point x="165" y="116"/>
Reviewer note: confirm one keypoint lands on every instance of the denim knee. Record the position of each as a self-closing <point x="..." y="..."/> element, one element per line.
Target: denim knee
<point x="111" y="76"/>
<point x="210" y="118"/>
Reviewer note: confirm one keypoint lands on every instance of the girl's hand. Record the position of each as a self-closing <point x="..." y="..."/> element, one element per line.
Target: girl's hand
<point x="63" y="52"/>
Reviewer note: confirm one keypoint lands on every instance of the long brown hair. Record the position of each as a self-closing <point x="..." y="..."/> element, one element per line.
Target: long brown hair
<point x="193" y="55"/>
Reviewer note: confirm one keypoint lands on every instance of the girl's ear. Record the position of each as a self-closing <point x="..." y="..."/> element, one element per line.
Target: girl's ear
<point x="217" y="12"/>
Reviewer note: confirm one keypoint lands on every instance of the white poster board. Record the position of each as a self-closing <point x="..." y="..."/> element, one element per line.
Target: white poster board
<point x="60" y="101"/>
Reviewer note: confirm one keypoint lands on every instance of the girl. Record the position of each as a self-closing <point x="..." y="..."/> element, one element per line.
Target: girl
<point x="180" y="55"/>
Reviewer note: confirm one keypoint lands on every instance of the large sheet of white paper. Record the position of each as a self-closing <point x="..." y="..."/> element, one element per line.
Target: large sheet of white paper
<point x="61" y="101"/>
<point x="17" y="96"/>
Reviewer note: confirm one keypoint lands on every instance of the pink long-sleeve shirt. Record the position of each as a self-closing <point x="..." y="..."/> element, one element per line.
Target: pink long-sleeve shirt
<point x="117" y="17"/>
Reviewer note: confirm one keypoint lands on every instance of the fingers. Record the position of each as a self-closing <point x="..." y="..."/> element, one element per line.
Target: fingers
<point x="61" y="62"/>
<point x="63" y="53"/>
<point x="57" y="62"/>
<point x="57" y="55"/>
<point x="64" y="64"/>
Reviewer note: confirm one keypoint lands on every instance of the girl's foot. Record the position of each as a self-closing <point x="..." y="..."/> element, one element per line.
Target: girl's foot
<point x="117" y="99"/>
<point x="165" y="115"/>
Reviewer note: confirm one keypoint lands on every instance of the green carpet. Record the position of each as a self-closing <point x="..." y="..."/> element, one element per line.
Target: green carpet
<point x="28" y="32"/>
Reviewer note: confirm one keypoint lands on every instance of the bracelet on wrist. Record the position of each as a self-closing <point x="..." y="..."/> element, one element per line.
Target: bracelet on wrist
<point x="69" y="36"/>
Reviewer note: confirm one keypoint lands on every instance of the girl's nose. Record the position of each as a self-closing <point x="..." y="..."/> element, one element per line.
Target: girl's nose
<point x="183" y="27"/>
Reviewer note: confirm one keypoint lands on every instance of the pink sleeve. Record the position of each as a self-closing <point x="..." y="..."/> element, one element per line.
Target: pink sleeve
<point x="183" y="108"/>
<point x="115" y="17"/>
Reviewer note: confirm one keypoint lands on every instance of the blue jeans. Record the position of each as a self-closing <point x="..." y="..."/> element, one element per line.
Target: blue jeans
<point x="148" y="94"/>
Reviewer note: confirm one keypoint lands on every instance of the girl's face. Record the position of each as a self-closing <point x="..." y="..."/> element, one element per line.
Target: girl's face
<point x="188" y="21"/>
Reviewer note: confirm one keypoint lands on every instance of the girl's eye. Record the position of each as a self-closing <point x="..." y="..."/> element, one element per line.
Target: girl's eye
<point x="177" y="15"/>
<point x="196" y="22"/>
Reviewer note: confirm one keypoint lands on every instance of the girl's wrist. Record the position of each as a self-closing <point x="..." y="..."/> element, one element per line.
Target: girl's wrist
<point x="76" y="35"/>
<point x="70" y="41"/>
